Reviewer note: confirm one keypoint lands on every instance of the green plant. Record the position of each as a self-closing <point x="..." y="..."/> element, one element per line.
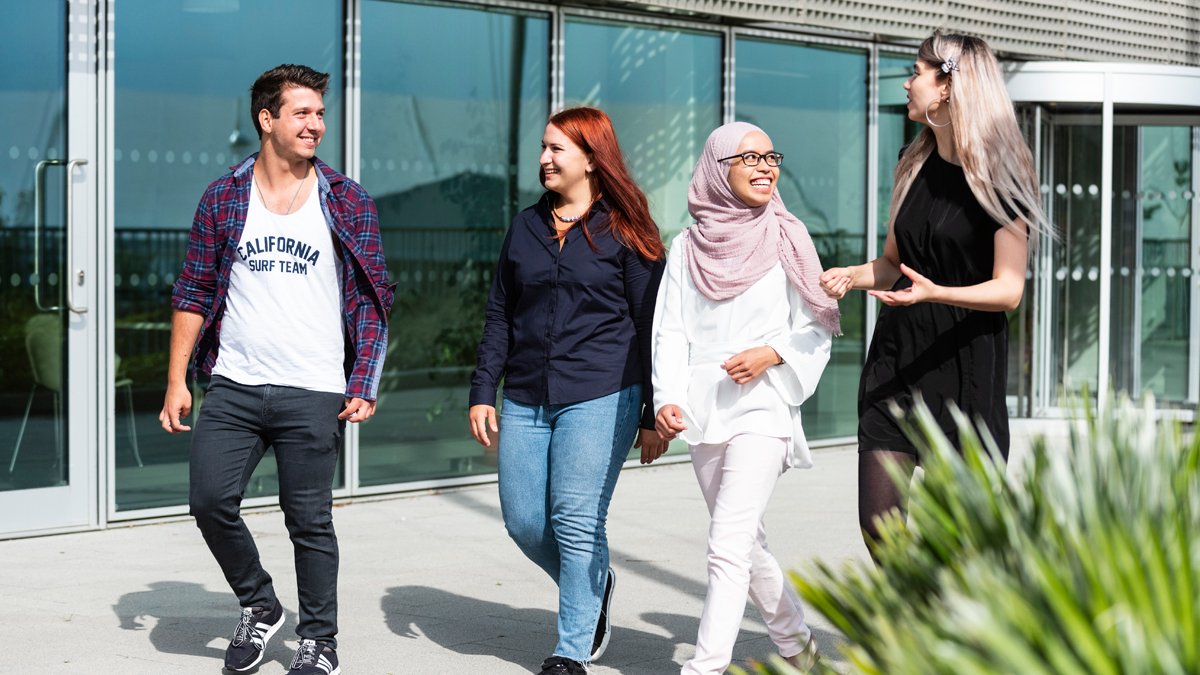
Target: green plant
<point x="1084" y="560"/>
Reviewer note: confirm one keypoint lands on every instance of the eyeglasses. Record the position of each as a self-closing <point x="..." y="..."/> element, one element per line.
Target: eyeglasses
<point x="752" y="158"/>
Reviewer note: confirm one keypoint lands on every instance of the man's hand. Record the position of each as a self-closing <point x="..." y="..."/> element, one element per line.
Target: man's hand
<point x="177" y="405"/>
<point x="357" y="410"/>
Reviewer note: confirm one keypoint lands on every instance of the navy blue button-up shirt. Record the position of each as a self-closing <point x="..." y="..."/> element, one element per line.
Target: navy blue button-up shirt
<point x="568" y="325"/>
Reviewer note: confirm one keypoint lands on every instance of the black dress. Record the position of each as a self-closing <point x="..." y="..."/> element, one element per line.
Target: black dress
<point x="944" y="353"/>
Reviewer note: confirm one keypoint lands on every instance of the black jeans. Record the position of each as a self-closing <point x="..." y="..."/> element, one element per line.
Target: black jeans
<point x="237" y="424"/>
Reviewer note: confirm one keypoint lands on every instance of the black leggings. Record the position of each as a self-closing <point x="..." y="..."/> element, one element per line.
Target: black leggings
<point x="877" y="492"/>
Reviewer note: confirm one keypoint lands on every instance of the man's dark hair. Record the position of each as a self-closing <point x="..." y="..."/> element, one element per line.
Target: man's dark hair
<point x="268" y="89"/>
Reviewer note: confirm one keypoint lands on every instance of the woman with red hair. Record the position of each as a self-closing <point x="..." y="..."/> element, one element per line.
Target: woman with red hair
<point x="567" y="328"/>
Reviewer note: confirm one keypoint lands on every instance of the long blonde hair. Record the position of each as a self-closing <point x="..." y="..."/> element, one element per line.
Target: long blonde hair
<point x="995" y="157"/>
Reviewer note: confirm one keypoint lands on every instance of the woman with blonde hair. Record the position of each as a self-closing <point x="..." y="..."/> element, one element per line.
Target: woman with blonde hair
<point x="965" y="212"/>
<point x="742" y="334"/>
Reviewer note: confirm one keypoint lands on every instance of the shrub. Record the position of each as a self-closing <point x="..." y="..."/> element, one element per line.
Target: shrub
<point x="1086" y="560"/>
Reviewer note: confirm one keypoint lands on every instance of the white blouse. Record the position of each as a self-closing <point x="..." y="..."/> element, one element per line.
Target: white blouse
<point x="694" y="335"/>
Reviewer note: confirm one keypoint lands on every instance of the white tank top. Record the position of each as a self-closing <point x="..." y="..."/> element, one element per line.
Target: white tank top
<point x="283" y="313"/>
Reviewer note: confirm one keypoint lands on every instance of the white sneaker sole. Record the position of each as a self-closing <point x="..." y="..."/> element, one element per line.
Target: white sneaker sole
<point x="266" y="640"/>
<point x="606" y="608"/>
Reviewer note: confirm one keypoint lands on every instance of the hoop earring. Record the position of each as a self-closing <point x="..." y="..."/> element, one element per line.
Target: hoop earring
<point x="930" y="120"/>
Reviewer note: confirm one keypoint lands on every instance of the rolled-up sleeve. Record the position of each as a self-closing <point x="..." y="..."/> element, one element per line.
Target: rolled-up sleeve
<point x="196" y="287"/>
<point x="373" y="296"/>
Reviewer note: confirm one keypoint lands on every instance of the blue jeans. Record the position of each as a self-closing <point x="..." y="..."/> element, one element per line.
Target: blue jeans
<point x="558" y="468"/>
<point x="236" y="426"/>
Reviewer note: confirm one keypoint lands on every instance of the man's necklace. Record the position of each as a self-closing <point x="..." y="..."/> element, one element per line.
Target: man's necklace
<point x="292" y="203"/>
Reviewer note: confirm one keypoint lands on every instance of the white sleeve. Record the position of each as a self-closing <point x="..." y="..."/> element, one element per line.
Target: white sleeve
<point x="670" y="352"/>
<point x="805" y="350"/>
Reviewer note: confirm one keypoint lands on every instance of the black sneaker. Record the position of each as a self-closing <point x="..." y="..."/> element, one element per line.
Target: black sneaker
<point x="559" y="665"/>
<point x="604" y="624"/>
<point x="251" y="635"/>
<point x="313" y="658"/>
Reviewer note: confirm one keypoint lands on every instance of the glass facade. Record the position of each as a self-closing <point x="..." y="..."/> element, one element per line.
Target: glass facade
<point x="437" y="108"/>
<point x="449" y="162"/>
<point x="662" y="89"/>
<point x="812" y="103"/>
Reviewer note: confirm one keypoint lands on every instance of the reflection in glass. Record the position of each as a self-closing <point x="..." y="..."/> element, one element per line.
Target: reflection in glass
<point x="1152" y="244"/>
<point x="1075" y="268"/>
<point x="181" y="119"/>
<point x="813" y="104"/>
<point x="662" y="89"/>
<point x="895" y="130"/>
<point x="33" y="142"/>
<point x="449" y="161"/>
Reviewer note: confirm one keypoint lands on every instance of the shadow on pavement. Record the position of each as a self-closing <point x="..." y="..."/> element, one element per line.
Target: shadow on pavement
<point x="522" y="636"/>
<point x="683" y="630"/>
<point x="184" y="617"/>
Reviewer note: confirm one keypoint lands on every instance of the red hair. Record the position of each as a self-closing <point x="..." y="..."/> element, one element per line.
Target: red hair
<point x="592" y="130"/>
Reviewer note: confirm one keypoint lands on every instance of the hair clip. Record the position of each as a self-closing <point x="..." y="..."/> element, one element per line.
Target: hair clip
<point x="950" y="64"/>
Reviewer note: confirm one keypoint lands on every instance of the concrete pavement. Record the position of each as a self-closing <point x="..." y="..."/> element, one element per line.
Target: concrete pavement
<point x="429" y="584"/>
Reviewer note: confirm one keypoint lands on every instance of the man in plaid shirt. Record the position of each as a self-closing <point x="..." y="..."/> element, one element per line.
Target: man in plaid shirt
<point x="283" y="300"/>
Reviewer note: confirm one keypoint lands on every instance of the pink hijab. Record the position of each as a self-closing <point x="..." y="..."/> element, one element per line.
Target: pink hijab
<point x="731" y="246"/>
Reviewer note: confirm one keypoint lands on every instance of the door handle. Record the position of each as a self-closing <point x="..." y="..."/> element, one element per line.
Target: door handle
<point x="74" y="277"/>
<point x="39" y="207"/>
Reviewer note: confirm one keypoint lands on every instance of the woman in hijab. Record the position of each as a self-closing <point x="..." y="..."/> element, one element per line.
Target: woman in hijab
<point x="741" y="335"/>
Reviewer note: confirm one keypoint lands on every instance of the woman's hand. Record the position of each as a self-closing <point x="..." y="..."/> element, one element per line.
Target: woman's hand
<point x="483" y="417"/>
<point x="743" y="367"/>
<point x="922" y="290"/>
<point x="837" y="281"/>
<point x="669" y="422"/>
<point x="653" y="446"/>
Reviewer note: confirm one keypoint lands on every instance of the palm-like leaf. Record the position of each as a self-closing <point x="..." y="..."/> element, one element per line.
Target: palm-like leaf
<point x="1085" y="560"/>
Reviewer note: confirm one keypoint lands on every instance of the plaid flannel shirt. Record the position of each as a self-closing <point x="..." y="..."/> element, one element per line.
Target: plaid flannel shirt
<point x="366" y="291"/>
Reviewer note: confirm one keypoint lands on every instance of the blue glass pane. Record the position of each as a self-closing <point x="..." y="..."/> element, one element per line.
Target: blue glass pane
<point x="812" y="102"/>
<point x="449" y="160"/>
<point x="1152" y="282"/>
<point x="1075" y="284"/>
<point x="182" y="73"/>
<point x="662" y="89"/>
<point x="895" y="129"/>
<point x="1167" y="245"/>
<point x="33" y="129"/>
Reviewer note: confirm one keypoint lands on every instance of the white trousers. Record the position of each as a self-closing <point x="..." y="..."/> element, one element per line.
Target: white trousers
<point x="737" y="479"/>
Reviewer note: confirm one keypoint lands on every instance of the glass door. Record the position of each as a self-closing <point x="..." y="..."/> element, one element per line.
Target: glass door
<point x="47" y="251"/>
<point x="1154" y="280"/>
<point x="1070" y="265"/>
<point x="1155" y="296"/>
